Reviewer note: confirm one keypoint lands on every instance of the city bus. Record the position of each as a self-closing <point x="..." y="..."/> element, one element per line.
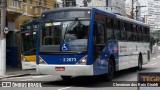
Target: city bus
<point x="88" y="42"/>
<point x="29" y="32"/>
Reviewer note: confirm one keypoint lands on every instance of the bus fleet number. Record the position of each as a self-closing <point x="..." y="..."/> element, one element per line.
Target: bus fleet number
<point x="69" y="59"/>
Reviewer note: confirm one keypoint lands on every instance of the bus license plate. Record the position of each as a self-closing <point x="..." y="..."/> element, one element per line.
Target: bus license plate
<point x="60" y="68"/>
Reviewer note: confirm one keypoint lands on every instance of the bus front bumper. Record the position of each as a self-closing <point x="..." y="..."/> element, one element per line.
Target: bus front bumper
<point x="69" y="70"/>
<point x="28" y="65"/>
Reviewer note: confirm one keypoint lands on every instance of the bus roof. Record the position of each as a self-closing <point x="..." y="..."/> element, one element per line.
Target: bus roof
<point x="66" y="8"/>
<point x="131" y="20"/>
<point x="121" y="17"/>
<point x="31" y="21"/>
<point x="103" y="12"/>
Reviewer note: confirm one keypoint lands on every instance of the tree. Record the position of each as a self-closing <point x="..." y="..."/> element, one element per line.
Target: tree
<point x="157" y="34"/>
<point x="152" y="42"/>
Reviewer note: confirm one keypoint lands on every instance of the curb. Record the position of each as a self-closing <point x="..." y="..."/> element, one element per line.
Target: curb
<point x="17" y="75"/>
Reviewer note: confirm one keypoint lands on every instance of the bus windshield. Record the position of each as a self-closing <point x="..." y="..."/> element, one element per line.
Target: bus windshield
<point x="72" y="33"/>
<point x="29" y="42"/>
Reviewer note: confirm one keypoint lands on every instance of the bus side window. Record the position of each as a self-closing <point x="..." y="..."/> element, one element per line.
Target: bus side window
<point x="129" y="32"/>
<point x="117" y="32"/>
<point x="134" y="32"/>
<point x="148" y="38"/>
<point x="98" y="39"/>
<point x="144" y="34"/>
<point x="124" y="31"/>
<point x="110" y="34"/>
<point x="139" y="35"/>
<point x="99" y="33"/>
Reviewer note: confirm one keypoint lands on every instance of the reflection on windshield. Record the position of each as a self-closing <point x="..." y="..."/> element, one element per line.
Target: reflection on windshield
<point x="28" y="42"/>
<point x="72" y="34"/>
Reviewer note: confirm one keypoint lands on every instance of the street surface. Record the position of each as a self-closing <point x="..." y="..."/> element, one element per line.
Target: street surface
<point x="86" y="83"/>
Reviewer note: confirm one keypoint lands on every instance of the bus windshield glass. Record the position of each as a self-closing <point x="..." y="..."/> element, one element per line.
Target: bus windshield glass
<point x="74" y="34"/>
<point x="29" y="42"/>
<point x="66" y="14"/>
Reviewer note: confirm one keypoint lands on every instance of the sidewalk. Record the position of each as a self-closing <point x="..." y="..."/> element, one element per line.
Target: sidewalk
<point x="17" y="71"/>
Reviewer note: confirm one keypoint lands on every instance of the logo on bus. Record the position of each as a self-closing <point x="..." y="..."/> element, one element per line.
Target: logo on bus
<point x="115" y="50"/>
<point x="64" y="47"/>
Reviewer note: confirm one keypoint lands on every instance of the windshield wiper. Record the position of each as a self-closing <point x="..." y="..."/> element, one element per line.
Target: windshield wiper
<point x="27" y="52"/>
<point x="31" y="51"/>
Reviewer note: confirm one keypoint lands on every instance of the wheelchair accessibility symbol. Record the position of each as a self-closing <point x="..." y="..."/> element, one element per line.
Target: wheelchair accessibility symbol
<point x="64" y="47"/>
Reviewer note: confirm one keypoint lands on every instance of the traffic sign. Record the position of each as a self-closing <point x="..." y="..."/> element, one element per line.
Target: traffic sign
<point x="6" y="30"/>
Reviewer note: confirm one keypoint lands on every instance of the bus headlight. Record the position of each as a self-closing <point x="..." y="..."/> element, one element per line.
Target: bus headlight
<point x="83" y="60"/>
<point x="41" y="61"/>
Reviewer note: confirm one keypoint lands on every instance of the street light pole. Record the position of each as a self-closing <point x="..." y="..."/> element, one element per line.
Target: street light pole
<point x="132" y="10"/>
<point x="137" y="9"/>
<point x="3" y="39"/>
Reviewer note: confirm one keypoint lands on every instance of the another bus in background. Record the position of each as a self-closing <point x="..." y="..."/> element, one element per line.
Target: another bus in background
<point x="87" y="41"/>
<point x="29" y="32"/>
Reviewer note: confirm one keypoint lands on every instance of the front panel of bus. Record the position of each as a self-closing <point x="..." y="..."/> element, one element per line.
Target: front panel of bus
<point x="28" y="43"/>
<point x="64" y="43"/>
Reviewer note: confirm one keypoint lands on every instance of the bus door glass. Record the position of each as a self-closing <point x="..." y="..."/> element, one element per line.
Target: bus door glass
<point x="98" y="39"/>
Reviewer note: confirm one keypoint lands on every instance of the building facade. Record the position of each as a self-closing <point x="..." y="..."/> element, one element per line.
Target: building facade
<point x="153" y="17"/>
<point x="150" y="17"/>
<point x="136" y="9"/>
<point x="17" y="13"/>
<point x="114" y="6"/>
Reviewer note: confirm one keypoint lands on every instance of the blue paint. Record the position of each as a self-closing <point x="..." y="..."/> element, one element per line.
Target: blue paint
<point x="64" y="46"/>
<point x="62" y="59"/>
<point x="37" y="47"/>
<point x="104" y="13"/>
<point x="100" y="66"/>
<point x="90" y="40"/>
<point x="101" y="63"/>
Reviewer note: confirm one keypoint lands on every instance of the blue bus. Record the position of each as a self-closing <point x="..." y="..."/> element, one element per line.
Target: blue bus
<point x="87" y="41"/>
<point x="29" y="32"/>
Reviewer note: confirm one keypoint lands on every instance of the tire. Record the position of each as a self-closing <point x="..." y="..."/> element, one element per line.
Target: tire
<point x="111" y="70"/>
<point x="140" y="63"/>
<point x="66" y="78"/>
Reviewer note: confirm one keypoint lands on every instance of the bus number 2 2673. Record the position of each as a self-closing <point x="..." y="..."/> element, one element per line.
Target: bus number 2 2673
<point x="69" y="60"/>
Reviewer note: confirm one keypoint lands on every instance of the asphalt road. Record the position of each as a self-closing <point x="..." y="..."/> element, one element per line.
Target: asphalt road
<point x="86" y="83"/>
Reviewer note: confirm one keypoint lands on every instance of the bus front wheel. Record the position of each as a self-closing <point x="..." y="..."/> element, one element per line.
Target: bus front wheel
<point x="65" y="78"/>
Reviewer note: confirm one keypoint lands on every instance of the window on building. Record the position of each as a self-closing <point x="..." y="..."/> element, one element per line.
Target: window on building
<point x="106" y="2"/>
<point x="24" y="1"/>
<point x="35" y="10"/>
<point x="37" y="2"/>
<point x="70" y="3"/>
<point x="30" y="1"/>
<point x="13" y="3"/>
<point x="44" y="1"/>
<point x="25" y="9"/>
